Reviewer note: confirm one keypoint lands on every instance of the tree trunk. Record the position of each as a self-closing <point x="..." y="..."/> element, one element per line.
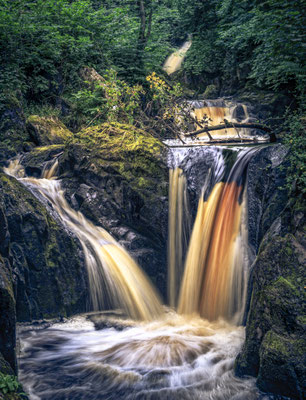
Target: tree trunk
<point x="229" y="125"/>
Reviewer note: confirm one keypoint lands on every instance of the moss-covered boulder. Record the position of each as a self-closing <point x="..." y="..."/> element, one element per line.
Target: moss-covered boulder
<point x="46" y="261"/>
<point x="276" y="324"/>
<point x="133" y="153"/>
<point x="47" y="130"/>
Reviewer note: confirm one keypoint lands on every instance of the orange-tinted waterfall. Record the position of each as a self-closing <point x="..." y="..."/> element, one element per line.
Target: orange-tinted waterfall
<point x="215" y="116"/>
<point x="170" y="355"/>
<point x="214" y="282"/>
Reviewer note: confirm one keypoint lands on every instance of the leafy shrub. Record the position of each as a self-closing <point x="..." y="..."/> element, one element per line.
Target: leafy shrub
<point x="109" y="99"/>
<point x="9" y="385"/>
<point x="295" y="140"/>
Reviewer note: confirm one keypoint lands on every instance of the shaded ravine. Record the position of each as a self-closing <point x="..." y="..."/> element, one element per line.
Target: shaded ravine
<point x="173" y="357"/>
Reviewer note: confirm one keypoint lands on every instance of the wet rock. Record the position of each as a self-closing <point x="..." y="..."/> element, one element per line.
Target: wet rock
<point x="5" y="367"/>
<point x="7" y="317"/>
<point x="267" y="196"/>
<point x="47" y="263"/>
<point x="275" y="330"/>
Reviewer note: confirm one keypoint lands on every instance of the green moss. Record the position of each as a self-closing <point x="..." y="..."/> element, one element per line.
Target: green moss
<point x="43" y="149"/>
<point x="133" y="153"/>
<point x="275" y="343"/>
<point x="284" y="286"/>
<point x="301" y="319"/>
<point x="48" y="130"/>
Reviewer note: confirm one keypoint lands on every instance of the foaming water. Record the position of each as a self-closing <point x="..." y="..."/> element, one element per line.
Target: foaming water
<point x="166" y="356"/>
<point x="115" y="279"/>
<point x="172" y="358"/>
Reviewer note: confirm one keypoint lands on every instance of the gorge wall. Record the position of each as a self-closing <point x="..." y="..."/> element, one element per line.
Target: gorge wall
<point x="125" y="191"/>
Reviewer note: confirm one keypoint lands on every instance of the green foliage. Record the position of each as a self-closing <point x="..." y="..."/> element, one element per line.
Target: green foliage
<point x="246" y="42"/>
<point x="10" y="385"/>
<point x="44" y="43"/>
<point x="295" y="139"/>
<point x="110" y="99"/>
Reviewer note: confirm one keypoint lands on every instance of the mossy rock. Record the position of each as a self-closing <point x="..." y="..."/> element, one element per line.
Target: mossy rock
<point x="7" y="315"/>
<point x="282" y="365"/>
<point x="276" y="322"/>
<point x="47" y="130"/>
<point x="133" y="153"/>
<point x="5" y="367"/>
<point x="14" y="137"/>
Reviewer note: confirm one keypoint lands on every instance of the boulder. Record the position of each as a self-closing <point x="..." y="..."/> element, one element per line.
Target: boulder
<point x="47" y="130"/>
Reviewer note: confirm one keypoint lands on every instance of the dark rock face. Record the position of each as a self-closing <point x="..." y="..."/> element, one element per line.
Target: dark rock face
<point x="107" y="198"/>
<point x="120" y="182"/>
<point x="267" y="197"/>
<point x="7" y="319"/>
<point x="275" y="330"/>
<point x="44" y="260"/>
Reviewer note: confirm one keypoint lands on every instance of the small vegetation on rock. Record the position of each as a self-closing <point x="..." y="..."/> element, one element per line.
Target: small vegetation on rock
<point x="10" y="388"/>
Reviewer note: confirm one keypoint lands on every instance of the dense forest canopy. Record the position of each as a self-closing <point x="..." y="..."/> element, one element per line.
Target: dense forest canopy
<point x="249" y="45"/>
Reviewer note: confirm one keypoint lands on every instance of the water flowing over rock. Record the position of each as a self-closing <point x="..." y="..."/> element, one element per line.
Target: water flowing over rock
<point x="175" y="60"/>
<point x="115" y="280"/>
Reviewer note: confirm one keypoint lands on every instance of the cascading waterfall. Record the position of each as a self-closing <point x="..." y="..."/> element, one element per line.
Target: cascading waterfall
<point x="175" y="60"/>
<point x="179" y="227"/>
<point x="215" y="112"/>
<point x="114" y="277"/>
<point x="215" y="274"/>
<point x="175" y="356"/>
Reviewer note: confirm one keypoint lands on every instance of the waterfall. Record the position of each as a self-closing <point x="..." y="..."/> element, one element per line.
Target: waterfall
<point x="175" y="60"/>
<point x="178" y="226"/>
<point x="115" y="279"/>
<point x="215" y="272"/>
<point x="174" y="356"/>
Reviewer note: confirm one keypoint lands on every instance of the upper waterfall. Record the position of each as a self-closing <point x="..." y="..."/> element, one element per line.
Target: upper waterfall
<point x="175" y="60"/>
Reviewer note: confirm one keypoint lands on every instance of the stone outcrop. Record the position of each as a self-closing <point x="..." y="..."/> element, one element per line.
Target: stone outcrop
<point x="41" y="266"/>
<point x="45" y="259"/>
<point x="47" y="130"/>
<point x="276" y="324"/>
